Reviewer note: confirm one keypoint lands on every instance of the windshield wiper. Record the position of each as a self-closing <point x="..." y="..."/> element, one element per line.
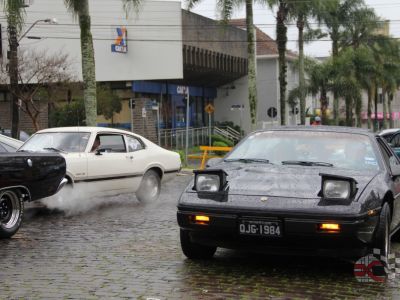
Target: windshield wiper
<point x="307" y="163"/>
<point x="249" y="160"/>
<point x="54" y="149"/>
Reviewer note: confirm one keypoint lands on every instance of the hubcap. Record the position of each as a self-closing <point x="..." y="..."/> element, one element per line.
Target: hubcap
<point x="9" y="209"/>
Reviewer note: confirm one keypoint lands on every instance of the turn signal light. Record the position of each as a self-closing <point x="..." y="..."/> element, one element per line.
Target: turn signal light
<point x="329" y="227"/>
<point x="201" y="220"/>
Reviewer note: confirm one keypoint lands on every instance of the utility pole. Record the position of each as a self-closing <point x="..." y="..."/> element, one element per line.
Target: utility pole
<point x="13" y="73"/>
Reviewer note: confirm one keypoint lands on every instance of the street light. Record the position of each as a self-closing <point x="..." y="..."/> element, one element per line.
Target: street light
<point x="50" y="21"/>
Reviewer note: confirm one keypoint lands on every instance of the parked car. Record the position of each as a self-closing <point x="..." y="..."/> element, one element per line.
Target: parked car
<point x="26" y="177"/>
<point x="8" y="144"/>
<point x="23" y="136"/>
<point x="392" y="136"/>
<point x="106" y="161"/>
<point x="321" y="191"/>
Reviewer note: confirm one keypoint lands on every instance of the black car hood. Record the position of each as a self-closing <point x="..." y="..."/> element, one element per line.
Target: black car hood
<point x="284" y="181"/>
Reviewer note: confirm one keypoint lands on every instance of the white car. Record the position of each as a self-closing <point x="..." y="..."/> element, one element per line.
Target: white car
<point x="108" y="161"/>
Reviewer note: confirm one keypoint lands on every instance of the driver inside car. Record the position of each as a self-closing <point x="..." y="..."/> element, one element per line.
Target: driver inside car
<point x="96" y="144"/>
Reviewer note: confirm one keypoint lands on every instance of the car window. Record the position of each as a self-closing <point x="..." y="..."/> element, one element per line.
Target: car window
<point x="3" y="149"/>
<point x="62" y="141"/>
<point x="395" y="141"/>
<point x="113" y="142"/>
<point x="388" y="155"/>
<point x="133" y="144"/>
<point x="342" y="150"/>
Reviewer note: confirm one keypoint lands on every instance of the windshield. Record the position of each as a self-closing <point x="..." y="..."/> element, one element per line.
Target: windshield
<point x="57" y="141"/>
<point x="326" y="149"/>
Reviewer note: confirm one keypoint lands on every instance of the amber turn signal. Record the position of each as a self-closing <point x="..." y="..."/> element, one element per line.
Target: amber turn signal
<point x="329" y="227"/>
<point x="201" y="220"/>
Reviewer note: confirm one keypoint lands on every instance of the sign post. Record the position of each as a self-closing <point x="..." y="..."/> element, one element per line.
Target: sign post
<point x="241" y="108"/>
<point x="184" y="90"/>
<point x="209" y="110"/>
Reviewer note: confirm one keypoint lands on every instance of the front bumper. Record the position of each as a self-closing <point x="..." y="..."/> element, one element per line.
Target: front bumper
<point x="300" y="234"/>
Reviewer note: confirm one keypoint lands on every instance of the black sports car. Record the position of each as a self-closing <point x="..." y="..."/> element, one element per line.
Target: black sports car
<point x="306" y="190"/>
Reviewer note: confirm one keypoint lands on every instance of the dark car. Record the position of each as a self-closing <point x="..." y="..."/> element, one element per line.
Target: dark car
<point x="23" y="136"/>
<point x="318" y="191"/>
<point x="26" y="177"/>
<point x="393" y="138"/>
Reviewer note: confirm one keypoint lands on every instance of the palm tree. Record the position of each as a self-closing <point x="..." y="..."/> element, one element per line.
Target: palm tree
<point x="226" y="8"/>
<point x="336" y="15"/>
<point x="80" y="10"/>
<point x="15" y="13"/>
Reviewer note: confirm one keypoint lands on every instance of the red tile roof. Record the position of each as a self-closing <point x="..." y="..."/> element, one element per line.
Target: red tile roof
<point x="265" y="44"/>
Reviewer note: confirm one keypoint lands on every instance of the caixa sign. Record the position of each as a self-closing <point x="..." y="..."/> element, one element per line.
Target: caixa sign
<point x="120" y="44"/>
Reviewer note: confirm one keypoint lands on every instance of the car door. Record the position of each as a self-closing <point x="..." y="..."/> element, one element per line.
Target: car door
<point x="109" y="167"/>
<point x="138" y="157"/>
<point x="390" y="158"/>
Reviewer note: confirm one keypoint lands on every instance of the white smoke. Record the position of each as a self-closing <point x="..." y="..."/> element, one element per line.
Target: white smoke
<point x="79" y="199"/>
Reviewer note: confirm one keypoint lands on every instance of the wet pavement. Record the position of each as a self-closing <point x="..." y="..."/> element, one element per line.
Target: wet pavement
<point x="120" y="248"/>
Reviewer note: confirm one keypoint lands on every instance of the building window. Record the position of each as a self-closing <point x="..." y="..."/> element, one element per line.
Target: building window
<point x="5" y="96"/>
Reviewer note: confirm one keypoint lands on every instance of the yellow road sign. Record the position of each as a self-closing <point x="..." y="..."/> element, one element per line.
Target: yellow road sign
<point x="209" y="108"/>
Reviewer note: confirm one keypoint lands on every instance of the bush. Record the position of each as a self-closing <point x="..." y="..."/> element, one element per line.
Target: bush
<point x="220" y="144"/>
<point x="72" y="114"/>
<point x="218" y="138"/>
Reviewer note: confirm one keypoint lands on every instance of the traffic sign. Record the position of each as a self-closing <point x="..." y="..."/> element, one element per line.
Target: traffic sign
<point x="209" y="108"/>
<point x="272" y="112"/>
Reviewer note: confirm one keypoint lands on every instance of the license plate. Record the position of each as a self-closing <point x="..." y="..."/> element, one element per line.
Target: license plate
<point x="260" y="228"/>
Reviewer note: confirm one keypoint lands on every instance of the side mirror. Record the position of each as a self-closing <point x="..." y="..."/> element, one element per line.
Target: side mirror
<point x="213" y="161"/>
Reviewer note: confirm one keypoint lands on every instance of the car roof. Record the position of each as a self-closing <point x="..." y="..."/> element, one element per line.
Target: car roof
<point x="84" y="129"/>
<point x="322" y="128"/>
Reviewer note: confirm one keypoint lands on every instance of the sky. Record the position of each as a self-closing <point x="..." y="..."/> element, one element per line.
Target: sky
<point x="265" y="20"/>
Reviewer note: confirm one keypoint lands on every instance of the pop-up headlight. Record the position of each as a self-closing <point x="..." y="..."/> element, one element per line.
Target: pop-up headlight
<point x="335" y="187"/>
<point x="209" y="180"/>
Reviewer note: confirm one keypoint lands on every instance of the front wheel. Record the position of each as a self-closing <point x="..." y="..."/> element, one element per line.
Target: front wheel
<point x="382" y="233"/>
<point x="11" y="212"/>
<point x="193" y="250"/>
<point x="150" y="187"/>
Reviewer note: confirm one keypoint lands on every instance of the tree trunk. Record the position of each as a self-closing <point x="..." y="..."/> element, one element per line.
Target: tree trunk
<point x="384" y="121"/>
<point x="369" y="110"/>
<point x="88" y="65"/>
<point x="251" y="52"/>
<point x="358" y="107"/>
<point x="376" y="110"/>
<point x="335" y="54"/>
<point x="13" y="73"/>
<point x="390" y="99"/>
<point x="324" y="105"/>
<point x="281" y="36"/>
<point x="349" y="119"/>
<point x="300" y="26"/>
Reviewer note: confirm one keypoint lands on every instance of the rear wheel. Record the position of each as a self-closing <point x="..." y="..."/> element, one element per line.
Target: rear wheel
<point x="150" y="187"/>
<point x="193" y="250"/>
<point x="11" y="212"/>
<point x="382" y="234"/>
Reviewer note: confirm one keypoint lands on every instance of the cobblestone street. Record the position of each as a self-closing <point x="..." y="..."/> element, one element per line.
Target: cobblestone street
<point x="125" y="249"/>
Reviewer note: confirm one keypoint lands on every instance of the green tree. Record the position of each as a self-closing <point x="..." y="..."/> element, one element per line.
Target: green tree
<point x="80" y="9"/>
<point x="335" y="15"/>
<point x="108" y="102"/>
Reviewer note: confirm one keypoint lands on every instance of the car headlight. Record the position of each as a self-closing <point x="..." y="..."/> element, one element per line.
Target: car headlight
<point x="336" y="187"/>
<point x="209" y="180"/>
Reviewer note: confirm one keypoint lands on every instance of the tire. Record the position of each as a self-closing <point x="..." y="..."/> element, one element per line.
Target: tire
<point x="382" y="233"/>
<point x="193" y="250"/>
<point x="150" y="187"/>
<point x="11" y="213"/>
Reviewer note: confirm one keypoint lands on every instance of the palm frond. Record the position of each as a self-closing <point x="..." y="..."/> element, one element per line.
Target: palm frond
<point x="131" y="5"/>
<point x="15" y="13"/>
